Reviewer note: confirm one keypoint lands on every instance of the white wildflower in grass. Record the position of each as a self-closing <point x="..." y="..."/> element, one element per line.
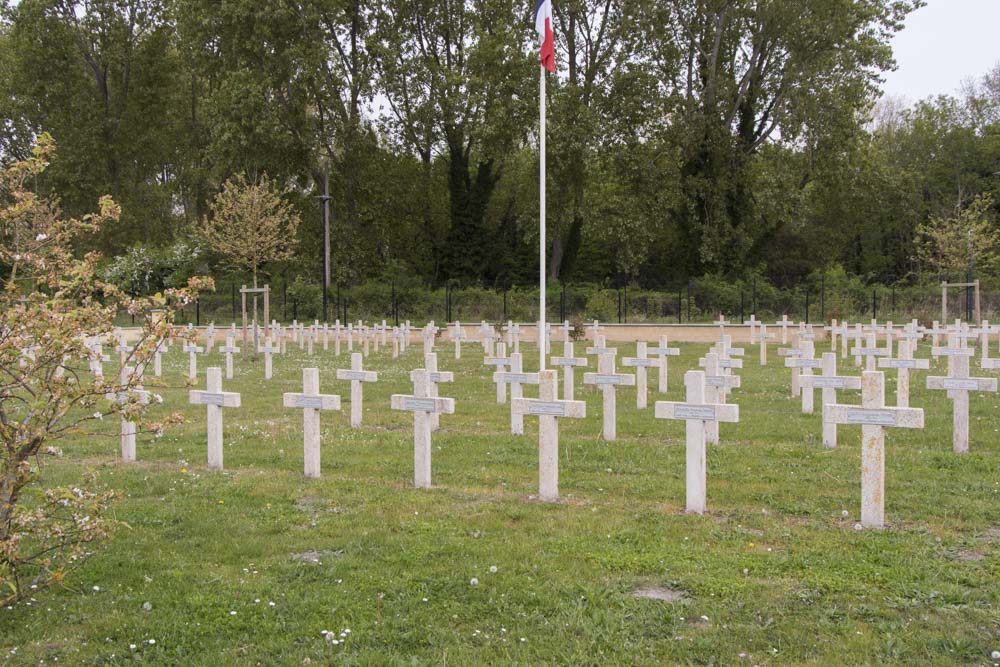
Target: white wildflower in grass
<point x="98" y="415"/>
<point x="474" y="582"/>
<point x="151" y="642"/>
<point x="97" y="589"/>
<point x="493" y="569"/>
<point x="41" y="237"/>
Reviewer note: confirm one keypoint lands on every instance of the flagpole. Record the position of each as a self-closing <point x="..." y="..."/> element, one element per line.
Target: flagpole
<point x="541" y="218"/>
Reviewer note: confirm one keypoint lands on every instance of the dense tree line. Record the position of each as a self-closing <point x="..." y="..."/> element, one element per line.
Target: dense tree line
<point x="689" y="137"/>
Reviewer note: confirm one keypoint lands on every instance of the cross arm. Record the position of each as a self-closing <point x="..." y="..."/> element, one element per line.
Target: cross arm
<point x="534" y="406"/>
<point x="710" y="412"/>
<point x="429" y="405"/>
<point x="834" y="413"/>
<point x="317" y="401"/>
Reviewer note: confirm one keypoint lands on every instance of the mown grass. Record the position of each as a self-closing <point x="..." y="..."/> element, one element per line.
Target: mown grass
<point x="775" y="572"/>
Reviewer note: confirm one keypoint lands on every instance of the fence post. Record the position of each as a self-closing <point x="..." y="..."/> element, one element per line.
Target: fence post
<point x="284" y="301"/>
<point x="874" y="308"/>
<point x="619" y="305"/>
<point x="505" y="303"/>
<point x="625" y="310"/>
<point x="234" y="301"/>
<point x="197" y="312"/>
<point x="822" y="297"/>
<point x="395" y="311"/>
<point x="680" y="304"/>
<point x="742" y="319"/>
<point x="807" y="305"/>
<point x="689" y="301"/>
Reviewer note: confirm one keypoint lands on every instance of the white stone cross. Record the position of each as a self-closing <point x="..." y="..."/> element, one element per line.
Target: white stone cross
<point x="267" y="349"/>
<point x="829" y="382"/>
<point x="127" y="376"/>
<point x="229" y="349"/>
<point x="698" y="412"/>
<point x="985" y="331"/>
<point x="349" y="332"/>
<point x="337" y="336"/>
<point x="607" y="379"/>
<point x="500" y="361"/>
<point x="458" y="337"/>
<point x="210" y="337"/>
<point x="157" y="354"/>
<point x="903" y="364"/>
<point x="569" y="364"/>
<point x="397" y="340"/>
<point x="97" y="358"/>
<point x="804" y="363"/>
<point x="874" y="417"/>
<point x="486" y="336"/>
<point x="516" y="378"/>
<point x="310" y="401"/>
<point x="663" y="351"/>
<point x="870" y="351"/>
<point x="307" y="336"/>
<point x="358" y="376"/>
<point x="792" y="352"/>
<point x="435" y="377"/>
<point x="721" y="323"/>
<point x="429" y="333"/>
<point x="548" y="408"/>
<point x="784" y="322"/>
<point x="762" y="337"/>
<point x="958" y="384"/>
<point x="422" y="405"/>
<point x="123" y="350"/>
<point x="717" y="384"/>
<point x="641" y="362"/>
<point x="192" y="351"/>
<point x="513" y="333"/>
<point x="214" y="399"/>
<point x="834" y="331"/>
<point x="595" y="329"/>
<point x="566" y="329"/>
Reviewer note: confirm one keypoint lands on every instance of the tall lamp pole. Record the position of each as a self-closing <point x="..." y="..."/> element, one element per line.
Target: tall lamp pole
<point x="324" y="213"/>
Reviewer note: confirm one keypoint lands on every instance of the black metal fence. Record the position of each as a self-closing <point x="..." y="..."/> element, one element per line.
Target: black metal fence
<point x="698" y="301"/>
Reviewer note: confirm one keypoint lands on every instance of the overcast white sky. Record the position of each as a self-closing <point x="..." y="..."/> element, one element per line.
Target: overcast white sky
<point x="942" y="44"/>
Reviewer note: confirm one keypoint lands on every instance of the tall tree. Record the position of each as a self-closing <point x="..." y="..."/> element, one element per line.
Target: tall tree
<point x="458" y="81"/>
<point x="758" y="71"/>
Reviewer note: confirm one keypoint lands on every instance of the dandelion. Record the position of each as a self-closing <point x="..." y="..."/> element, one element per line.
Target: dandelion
<point x="151" y="642"/>
<point x="98" y="415"/>
<point x="97" y="589"/>
<point x="474" y="582"/>
<point x="493" y="569"/>
<point x="41" y="237"/>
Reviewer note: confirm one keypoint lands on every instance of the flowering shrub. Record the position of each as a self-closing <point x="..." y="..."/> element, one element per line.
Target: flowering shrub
<point x="52" y="304"/>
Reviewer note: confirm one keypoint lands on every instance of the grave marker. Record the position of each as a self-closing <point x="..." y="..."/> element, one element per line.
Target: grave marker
<point x="516" y="377"/>
<point x="958" y="384"/>
<point x="214" y="400"/>
<point x="640" y="362"/>
<point x="830" y="382"/>
<point x="663" y="351"/>
<point x="228" y="349"/>
<point x="607" y="379"/>
<point x="422" y="405"/>
<point x="697" y="412"/>
<point x="874" y="417"/>
<point x="310" y="401"/>
<point x="548" y="408"/>
<point x="358" y="376"/>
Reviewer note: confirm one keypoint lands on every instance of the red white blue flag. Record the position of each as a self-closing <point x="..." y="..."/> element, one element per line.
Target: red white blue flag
<point x="543" y="24"/>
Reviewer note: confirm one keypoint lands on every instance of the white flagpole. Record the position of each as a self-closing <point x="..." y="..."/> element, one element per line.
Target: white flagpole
<point x="541" y="218"/>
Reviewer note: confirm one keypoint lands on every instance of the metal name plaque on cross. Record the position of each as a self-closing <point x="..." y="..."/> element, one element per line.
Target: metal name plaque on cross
<point x="952" y="383"/>
<point x="351" y="375"/>
<point x="871" y="417"/>
<point x="309" y="402"/>
<point x="820" y="382"/>
<point x="566" y="361"/>
<point x="608" y="379"/>
<point x="519" y="378"/>
<point x="546" y="408"/>
<point x="900" y="363"/>
<point x="211" y="399"/>
<point x="419" y="404"/>
<point x="687" y="411"/>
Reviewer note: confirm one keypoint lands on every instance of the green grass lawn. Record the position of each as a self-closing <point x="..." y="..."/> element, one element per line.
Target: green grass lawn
<point x="251" y="565"/>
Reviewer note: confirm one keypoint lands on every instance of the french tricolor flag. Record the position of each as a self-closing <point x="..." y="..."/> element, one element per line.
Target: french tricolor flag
<point x="543" y="24"/>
